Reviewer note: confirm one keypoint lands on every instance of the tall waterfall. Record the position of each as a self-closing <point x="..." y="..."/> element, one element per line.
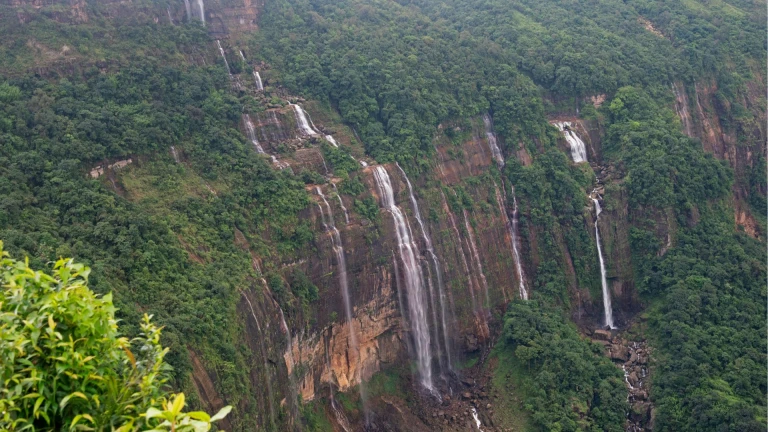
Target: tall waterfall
<point x="270" y="395"/>
<point x="495" y="150"/>
<point x="476" y="257"/>
<point x="341" y="261"/>
<point x="511" y="225"/>
<point x="414" y="285"/>
<point x="301" y="119"/>
<point x="201" y="8"/>
<point x="480" y="319"/>
<point x="512" y="229"/>
<point x="438" y="272"/>
<point x="170" y="18"/>
<point x="189" y="10"/>
<point x="251" y="131"/>
<point x="578" y="148"/>
<point x="606" y="292"/>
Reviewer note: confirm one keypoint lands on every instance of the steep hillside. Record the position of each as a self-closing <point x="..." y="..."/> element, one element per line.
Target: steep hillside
<point x="410" y="215"/>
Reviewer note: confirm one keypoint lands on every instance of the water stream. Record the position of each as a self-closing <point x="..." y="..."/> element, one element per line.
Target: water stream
<point x="608" y="311"/>
<point x="578" y="148"/>
<point x="251" y="132"/>
<point x="438" y="272"/>
<point x="301" y="119"/>
<point x="414" y="284"/>
<point x="270" y="395"/>
<point x="338" y="249"/>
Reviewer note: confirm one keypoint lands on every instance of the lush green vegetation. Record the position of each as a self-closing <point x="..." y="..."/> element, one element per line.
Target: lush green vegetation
<point x="65" y="365"/>
<point x="568" y="383"/>
<point x="708" y="292"/>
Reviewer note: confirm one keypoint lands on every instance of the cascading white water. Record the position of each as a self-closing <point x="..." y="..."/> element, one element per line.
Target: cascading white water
<point x="578" y="148"/>
<point x="257" y="78"/>
<point x="224" y="56"/>
<point x="251" y="131"/>
<point x="189" y="10"/>
<point x="363" y="164"/>
<point x="201" y="8"/>
<point x="333" y="142"/>
<point x="301" y="119"/>
<point x="174" y="154"/>
<point x="608" y="311"/>
<point x="476" y="257"/>
<point x="438" y="271"/>
<point x="478" y="424"/>
<point x="341" y="202"/>
<point x="495" y="150"/>
<point x="278" y="163"/>
<point x="341" y="261"/>
<point x="170" y="18"/>
<point x="414" y="285"/>
<point x="270" y="395"/>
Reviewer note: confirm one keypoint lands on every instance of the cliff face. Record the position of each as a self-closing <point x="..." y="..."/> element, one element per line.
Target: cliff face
<point x="735" y="134"/>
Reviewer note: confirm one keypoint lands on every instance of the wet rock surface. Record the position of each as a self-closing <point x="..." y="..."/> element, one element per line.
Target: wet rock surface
<point x="633" y="357"/>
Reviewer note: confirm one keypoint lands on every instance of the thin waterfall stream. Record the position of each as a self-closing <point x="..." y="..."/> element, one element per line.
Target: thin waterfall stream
<point x="270" y="395"/>
<point x="512" y="226"/>
<point x="608" y="311"/>
<point x="338" y="248"/>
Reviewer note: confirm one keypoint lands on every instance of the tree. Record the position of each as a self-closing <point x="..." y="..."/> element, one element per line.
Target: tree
<point x="65" y="366"/>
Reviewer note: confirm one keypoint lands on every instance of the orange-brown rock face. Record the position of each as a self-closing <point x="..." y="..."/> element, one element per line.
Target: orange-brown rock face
<point x="739" y="142"/>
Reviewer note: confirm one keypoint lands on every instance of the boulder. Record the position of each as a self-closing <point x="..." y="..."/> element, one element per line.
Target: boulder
<point x="619" y="353"/>
<point x="602" y="335"/>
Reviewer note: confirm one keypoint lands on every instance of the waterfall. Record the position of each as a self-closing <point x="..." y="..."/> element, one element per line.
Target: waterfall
<point x="333" y="142"/>
<point x="341" y="202"/>
<point x="606" y="292"/>
<point x="495" y="151"/>
<point x="578" y="149"/>
<point x="170" y="18"/>
<point x="174" y="154"/>
<point x="338" y="248"/>
<point x="251" y="131"/>
<point x="414" y="285"/>
<point x="257" y="78"/>
<point x="201" y="7"/>
<point x="226" y="63"/>
<point x="438" y="272"/>
<point x="301" y="119"/>
<point x="513" y="234"/>
<point x="481" y="321"/>
<point x="476" y="257"/>
<point x="478" y="424"/>
<point x="681" y="107"/>
<point x="189" y="10"/>
<point x="364" y="164"/>
<point x="270" y="395"/>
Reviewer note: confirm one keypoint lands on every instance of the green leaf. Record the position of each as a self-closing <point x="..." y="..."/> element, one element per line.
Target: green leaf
<point x="178" y="404"/>
<point x="200" y="415"/>
<point x="66" y="399"/>
<point x="222" y="413"/>
<point x="153" y="413"/>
